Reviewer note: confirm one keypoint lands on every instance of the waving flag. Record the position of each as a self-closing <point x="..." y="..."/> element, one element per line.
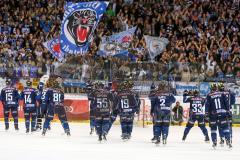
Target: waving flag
<point x="118" y="44"/>
<point x="79" y="23"/>
<point x="155" y="45"/>
<point x="53" y="46"/>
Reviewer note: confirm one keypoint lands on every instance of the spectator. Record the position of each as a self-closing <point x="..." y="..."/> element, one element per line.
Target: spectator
<point x="177" y="114"/>
<point x="200" y="32"/>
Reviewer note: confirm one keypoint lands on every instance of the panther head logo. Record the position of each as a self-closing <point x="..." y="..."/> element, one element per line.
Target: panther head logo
<point x="80" y="25"/>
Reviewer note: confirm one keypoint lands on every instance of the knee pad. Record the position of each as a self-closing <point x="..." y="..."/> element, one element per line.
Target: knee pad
<point x="50" y="117"/>
<point x="6" y="112"/>
<point x="201" y="124"/>
<point x="190" y="124"/>
<point x="213" y="124"/>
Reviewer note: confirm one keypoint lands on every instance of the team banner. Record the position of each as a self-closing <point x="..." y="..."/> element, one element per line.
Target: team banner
<point x="54" y="48"/>
<point x="155" y="45"/>
<point x="117" y="45"/>
<point x="79" y="23"/>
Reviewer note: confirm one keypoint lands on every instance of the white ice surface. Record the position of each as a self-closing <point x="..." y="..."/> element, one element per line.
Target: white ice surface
<point x="81" y="146"/>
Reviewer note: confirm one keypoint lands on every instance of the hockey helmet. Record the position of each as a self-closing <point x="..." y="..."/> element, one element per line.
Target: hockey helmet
<point x="220" y="87"/>
<point x="8" y="82"/>
<point x="29" y="83"/>
<point x="213" y="87"/>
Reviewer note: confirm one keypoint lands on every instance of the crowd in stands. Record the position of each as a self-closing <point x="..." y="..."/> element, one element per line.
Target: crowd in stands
<point x="204" y="40"/>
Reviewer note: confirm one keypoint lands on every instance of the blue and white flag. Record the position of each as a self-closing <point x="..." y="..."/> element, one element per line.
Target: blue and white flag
<point x="155" y="45"/>
<point x="117" y="45"/>
<point x="53" y="46"/>
<point x="79" y="23"/>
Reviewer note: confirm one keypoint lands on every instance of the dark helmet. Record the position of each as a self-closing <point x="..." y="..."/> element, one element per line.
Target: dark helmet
<point x="161" y="87"/>
<point x="8" y="82"/>
<point x="220" y="87"/>
<point x="129" y="84"/>
<point x="185" y="92"/>
<point x="153" y="86"/>
<point x="195" y="92"/>
<point x="122" y="85"/>
<point x="99" y="85"/>
<point x="29" y="83"/>
<point x="55" y="84"/>
<point x="213" y="87"/>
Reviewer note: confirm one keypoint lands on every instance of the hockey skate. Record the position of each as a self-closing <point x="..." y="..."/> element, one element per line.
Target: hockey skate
<point x="27" y="130"/>
<point x="68" y="134"/>
<point x="154" y="139"/>
<point x="44" y="132"/>
<point x="105" y="137"/>
<point x="221" y="142"/>
<point x="164" y="141"/>
<point x="157" y="142"/>
<point x="100" y="138"/>
<point x="33" y="129"/>
<point x="207" y="139"/>
<point x="16" y="127"/>
<point x="6" y="128"/>
<point x="124" y="137"/>
<point x="92" y="131"/>
<point x="229" y="144"/>
<point x="38" y="128"/>
<point x="214" y="145"/>
<point x="184" y="138"/>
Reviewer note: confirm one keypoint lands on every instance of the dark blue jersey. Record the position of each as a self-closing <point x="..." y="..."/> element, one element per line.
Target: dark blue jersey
<point x="54" y="97"/>
<point x="9" y="96"/>
<point x="161" y="102"/>
<point x="29" y="97"/>
<point x="42" y="96"/>
<point x="231" y="98"/>
<point x="101" y="101"/>
<point x="127" y="102"/>
<point x="196" y="105"/>
<point x="216" y="103"/>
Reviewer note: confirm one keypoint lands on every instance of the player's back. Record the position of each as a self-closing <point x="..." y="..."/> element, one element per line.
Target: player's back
<point x="9" y="96"/>
<point x="127" y="101"/>
<point x="231" y="99"/>
<point x="216" y="103"/>
<point x="163" y="101"/>
<point x="196" y="105"/>
<point x="29" y="96"/>
<point x="101" y="102"/>
<point x="54" y="97"/>
<point x="42" y="96"/>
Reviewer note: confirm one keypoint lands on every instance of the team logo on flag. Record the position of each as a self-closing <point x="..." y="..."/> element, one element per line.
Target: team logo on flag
<point x="79" y="23"/>
<point x="116" y="44"/>
<point x="53" y="46"/>
<point x="155" y="45"/>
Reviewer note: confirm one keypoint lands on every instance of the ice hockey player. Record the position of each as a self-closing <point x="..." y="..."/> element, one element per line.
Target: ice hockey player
<point x="55" y="100"/>
<point x="161" y="112"/>
<point x="29" y="97"/>
<point x="151" y="95"/>
<point x="10" y="100"/>
<point x="128" y="103"/>
<point x="231" y="99"/>
<point x="113" y="105"/>
<point x="218" y="109"/>
<point x="101" y="100"/>
<point x="196" y="113"/>
<point x="90" y="90"/>
<point x="42" y="108"/>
